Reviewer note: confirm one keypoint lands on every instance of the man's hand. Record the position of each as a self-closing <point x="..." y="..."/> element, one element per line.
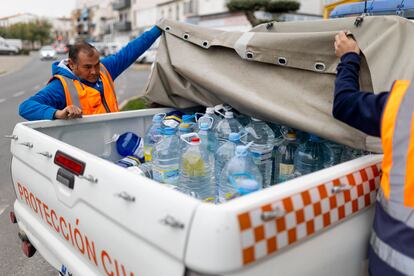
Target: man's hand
<point x="345" y="44"/>
<point x="69" y="112"/>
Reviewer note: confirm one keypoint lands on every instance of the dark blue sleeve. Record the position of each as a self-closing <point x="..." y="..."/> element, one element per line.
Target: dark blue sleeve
<point x="120" y="61"/>
<point x="361" y="110"/>
<point x="43" y="105"/>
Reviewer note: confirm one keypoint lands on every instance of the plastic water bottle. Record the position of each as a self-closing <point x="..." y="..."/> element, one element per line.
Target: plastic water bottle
<point x="337" y="150"/>
<point x="351" y="154"/>
<point x="279" y="138"/>
<point x="284" y="161"/>
<point x="210" y="114"/>
<point x="208" y="138"/>
<point x="224" y="154"/>
<point x="240" y="176"/>
<point x="166" y="157"/>
<point x="152" y="135"/>
<point x="263" y="138"/>
<point x="196" y="172"/>
<point x="243" y="119"/>
<point x="227" y="126"/>
<point x="130" y="144"/>
<point x="312" y="156"/>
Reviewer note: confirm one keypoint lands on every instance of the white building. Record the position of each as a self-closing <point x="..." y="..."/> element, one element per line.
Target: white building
<point x="18" y="18"/>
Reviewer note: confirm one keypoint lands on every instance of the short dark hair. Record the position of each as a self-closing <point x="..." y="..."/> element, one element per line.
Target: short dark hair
<point x="81" y="47"/>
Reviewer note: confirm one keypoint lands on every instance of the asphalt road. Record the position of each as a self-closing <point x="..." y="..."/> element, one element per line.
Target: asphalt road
<point x="14" y="88"/>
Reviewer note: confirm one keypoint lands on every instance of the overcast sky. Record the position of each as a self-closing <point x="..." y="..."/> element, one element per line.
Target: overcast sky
<point x="53" y="8"/>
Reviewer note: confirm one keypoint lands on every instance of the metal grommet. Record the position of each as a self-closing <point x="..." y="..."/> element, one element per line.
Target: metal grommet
<point x="320" y="66"/>
<point x="168" y="28"/>
<point x="249" y="55"/>
<point x="186" y="36"/>
<point x="282" y="61"/>
<point x="205" y="43"/>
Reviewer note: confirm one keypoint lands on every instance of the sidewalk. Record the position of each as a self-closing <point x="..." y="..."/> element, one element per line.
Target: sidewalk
<point x="10" y="64"/>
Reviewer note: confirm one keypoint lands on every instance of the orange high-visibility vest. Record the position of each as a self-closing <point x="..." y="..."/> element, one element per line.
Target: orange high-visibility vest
<point x="392" y="238"/>
<point x="89" y="99"/>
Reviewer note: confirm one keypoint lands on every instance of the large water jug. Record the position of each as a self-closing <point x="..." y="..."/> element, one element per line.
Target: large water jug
<point x="152" y="135"/>
<point x="240" y="176"/>
<point x="208" y="138"/>
<point x="166" y="157"/>
<point x="312" y="156"/>
<point x="196" y="172"/>
<point x="185" y="127"/>
<point x="261" y="149"/>
<point x="224" y="154"/>
<point x="210" y="114"/>
<point x="284" y="161"/>
<point x="226" y="126"/>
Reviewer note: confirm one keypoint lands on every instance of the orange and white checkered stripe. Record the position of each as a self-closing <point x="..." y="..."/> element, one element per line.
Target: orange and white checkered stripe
<point x="305" y="213"/>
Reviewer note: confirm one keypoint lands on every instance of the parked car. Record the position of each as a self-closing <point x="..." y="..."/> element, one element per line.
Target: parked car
<point x="6" y="49"/>
<point x="61" y="48"/>
<point x="47" y="52"/>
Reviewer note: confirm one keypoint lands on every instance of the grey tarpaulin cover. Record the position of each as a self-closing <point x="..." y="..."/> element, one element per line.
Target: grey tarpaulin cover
<point x="283" y="72"/>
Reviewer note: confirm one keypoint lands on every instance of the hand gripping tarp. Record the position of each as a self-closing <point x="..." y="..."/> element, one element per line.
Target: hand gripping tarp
<point x="283" y="72"/>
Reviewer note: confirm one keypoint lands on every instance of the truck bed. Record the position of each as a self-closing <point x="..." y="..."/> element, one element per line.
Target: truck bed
<point x="114" y="221"/>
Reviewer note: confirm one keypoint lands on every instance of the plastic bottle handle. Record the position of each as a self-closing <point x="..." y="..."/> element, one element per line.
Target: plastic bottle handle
<point x="185" y="137"/>
<point x="217" y="109"/>
<point x="211" y="119"/>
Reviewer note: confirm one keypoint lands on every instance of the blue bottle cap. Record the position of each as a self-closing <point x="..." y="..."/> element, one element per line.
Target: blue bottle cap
<point x="168" y="131"/>
<point x="187" y="118"/>
<point x="204" y="126"/>
<point x="234" y="137"/>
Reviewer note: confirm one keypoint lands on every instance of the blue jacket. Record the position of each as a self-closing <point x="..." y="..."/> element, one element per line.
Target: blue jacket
<point x="356" y="108"/>
<point x="51" y="98"/>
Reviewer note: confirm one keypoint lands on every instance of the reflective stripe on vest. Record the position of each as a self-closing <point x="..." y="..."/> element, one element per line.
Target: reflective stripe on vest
<point x="396" y="215"/>
<point x="396" y="136"/>
<point x="73" y="92"/>
<point x="393" y="258"/>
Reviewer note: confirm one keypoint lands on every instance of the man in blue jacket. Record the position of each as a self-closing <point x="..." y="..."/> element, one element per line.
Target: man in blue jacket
<point x="83" y="84"/>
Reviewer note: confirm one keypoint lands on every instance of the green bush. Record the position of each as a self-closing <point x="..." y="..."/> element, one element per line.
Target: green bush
<point x="136" y="104"/>
<point x="281" y="6"/>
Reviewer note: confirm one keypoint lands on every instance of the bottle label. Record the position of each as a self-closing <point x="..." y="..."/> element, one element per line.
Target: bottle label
<point x="165" y="176"/>
<point x="286" y="169"/>
<point x="148" y="153"/>
<point x="261" y="157"/>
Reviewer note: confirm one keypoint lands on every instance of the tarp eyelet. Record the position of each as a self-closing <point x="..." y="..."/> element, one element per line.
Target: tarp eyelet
<point x="205" y="43"/>
<point x="282" y="61"/>
<point x="320" y="66"/>
<point x="167" y="28"/>
<point x="249" y="55"/>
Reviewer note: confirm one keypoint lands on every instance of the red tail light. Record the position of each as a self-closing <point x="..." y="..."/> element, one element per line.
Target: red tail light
<point x="68" y="162"/>
<point x="13" y="217"/>
<point x="28" y="249"/>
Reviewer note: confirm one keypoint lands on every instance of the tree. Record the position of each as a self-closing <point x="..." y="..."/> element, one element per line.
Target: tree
<point x="249" y="7"/>
<point x="34" y="31"/>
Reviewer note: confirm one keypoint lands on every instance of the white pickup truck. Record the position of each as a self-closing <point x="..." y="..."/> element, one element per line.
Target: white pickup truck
<point x="87" y="216"/>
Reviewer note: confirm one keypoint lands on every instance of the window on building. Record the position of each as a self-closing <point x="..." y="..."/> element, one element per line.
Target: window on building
<point x="177" y="12"/>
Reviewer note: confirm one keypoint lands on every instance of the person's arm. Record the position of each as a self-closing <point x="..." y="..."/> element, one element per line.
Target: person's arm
<point x="120" y="61"/>
<point x="361" y="110"/>
<point x="44" y="104"/>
